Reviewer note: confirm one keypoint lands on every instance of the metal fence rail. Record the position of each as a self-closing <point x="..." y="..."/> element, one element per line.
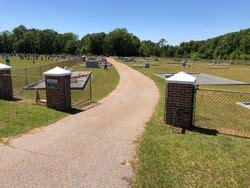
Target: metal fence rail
<point x="38" y="70"/>
<point x="223" y="111"/>
<point x="21" y="78"/>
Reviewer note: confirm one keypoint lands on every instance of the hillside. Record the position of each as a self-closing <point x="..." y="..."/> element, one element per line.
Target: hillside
<point x="235" y="45"/>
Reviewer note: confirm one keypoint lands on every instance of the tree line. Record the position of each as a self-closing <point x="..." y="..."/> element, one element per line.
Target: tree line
<point x="234" y="46"/>
<point x="120" y="42"/>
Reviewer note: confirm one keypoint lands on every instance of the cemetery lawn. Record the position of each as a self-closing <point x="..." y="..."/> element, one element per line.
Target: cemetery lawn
<point x="168" y="159"/>
<point x="17" y="118"/>
<point x="103" y="82"/>
<point x="16" y="63"/>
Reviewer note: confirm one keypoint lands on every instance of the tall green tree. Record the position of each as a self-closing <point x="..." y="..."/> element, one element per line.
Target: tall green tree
<point x="46" y="40"/>
<point x="148" y="48"/>
<point x="121" y="43"/>
<point x="6" y="43"/>
<point x="93" y="43"/>
<point x="65" y="43"/>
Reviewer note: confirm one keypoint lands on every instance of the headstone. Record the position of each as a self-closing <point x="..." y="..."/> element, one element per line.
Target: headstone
<point x="92" y="64"/>
<point x="7" y="61"/>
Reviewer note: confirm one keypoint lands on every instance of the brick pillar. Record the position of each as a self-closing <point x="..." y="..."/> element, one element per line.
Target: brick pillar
<point x="179" y="100"/>
<point x="58" y="93"/>
<point x="6" y="90"/>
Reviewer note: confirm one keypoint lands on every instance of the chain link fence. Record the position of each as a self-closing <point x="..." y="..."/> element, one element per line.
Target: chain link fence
<point x="225" y="111"/>
<point x="21" y="78"/>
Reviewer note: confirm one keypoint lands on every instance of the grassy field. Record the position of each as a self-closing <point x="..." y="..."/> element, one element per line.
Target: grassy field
<point x="16" y="63"/>
<point x="214" y="108"/>
<point x="17" y="118"/>
<point x="102" y="83"/>
<point x="168" y="159"/>
<point x="24" y="72"/>
<point x="221" y="111"/>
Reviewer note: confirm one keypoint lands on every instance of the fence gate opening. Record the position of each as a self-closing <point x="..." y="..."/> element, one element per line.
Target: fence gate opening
<point x="225" y="111"/>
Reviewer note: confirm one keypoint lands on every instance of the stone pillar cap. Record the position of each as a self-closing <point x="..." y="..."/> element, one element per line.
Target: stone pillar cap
<point x="182" y="78"/>
<point x="57" y="71"/>
<point x="4" y="67"/>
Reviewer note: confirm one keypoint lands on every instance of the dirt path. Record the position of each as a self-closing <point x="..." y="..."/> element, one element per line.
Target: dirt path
<point x="87" y="149"/>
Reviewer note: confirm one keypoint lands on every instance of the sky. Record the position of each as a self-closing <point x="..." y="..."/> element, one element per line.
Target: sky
<point x="174" y="20"/>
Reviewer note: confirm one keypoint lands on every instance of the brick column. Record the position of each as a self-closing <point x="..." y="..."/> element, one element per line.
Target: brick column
<point x="6" y="90"/>
<point x="179" y="100"/>
<point x="58" y="93"/>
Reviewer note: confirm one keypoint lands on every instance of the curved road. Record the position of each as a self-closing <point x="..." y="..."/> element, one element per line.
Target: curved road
<point x="88" y="149"/>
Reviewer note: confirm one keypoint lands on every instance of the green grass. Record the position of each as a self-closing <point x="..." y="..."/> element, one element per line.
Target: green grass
<point x="213" y="109"/>
<point x="17" y="118"/>
<point x="103" y="82"/>
<point x="33" y="71"/>
<point x="24" y="72"/>
<point x="168" y="159"/>
<point x="16" y="63"/>
<point x="221" y="111"/>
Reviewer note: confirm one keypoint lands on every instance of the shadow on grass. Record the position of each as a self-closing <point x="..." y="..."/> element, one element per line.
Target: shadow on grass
<point x="73" y="111"/>
<point x="206" y="131"/>
<point x="15" y="99"/>
<point x="211" y="132"/>
<point x="214" y="132"/>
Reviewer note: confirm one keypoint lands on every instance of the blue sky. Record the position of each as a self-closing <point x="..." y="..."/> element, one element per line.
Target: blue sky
<point x="174" y="20"/>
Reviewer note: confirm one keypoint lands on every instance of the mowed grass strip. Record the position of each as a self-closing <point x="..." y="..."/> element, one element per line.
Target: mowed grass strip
<point x="221" y="111"/>
<point x="17" y="118"/>
<point x="103" y="82"/>
<point x="16" y="63"/>
<point x="168" y="159"/>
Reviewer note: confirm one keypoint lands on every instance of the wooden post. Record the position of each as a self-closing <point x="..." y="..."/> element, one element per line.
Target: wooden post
<point x="90" y="86"/>
<point x="40" y="70"/>
<point x="26" y="78"/>
<point x="37" y="97"/>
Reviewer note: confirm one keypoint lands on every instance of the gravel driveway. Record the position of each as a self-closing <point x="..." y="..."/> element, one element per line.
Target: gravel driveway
<point x="88" y="149"/>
